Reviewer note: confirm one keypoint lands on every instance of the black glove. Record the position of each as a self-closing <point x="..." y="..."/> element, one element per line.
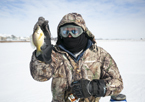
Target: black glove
<point x="84" y="88"/>
<point x="46" y="47"/>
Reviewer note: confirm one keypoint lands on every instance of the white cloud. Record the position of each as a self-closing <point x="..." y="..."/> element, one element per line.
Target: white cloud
<point x="105" y="18"/>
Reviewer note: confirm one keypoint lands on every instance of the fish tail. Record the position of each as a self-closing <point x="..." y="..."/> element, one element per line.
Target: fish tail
<point x="38" y="52"/>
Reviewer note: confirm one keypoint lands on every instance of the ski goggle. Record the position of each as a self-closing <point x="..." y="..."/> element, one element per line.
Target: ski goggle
<point x="75" y="31"/>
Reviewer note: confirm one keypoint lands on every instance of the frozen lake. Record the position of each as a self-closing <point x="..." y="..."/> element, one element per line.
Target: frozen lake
<point x="17" y="85"/>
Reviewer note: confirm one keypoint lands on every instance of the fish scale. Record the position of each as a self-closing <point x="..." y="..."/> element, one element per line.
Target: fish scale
<point x="38" y="40"/>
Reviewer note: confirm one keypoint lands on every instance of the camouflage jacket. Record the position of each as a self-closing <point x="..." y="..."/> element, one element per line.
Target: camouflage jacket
<point x="95" y="63"/>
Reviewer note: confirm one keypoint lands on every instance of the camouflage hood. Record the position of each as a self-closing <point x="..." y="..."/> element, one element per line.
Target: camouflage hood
<point x="78" y="20"/>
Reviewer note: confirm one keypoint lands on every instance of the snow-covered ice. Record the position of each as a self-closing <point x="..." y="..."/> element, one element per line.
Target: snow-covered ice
<point x="17" y="85"/>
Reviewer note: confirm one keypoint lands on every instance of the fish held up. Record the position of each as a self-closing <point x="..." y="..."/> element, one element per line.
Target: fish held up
<point x="38" y="40"/>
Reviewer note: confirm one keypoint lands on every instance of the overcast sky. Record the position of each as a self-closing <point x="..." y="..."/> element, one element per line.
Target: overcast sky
<point x="105" y="18"/>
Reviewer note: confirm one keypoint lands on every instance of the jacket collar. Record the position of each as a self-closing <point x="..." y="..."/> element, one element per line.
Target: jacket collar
<point x="80" y="55"/>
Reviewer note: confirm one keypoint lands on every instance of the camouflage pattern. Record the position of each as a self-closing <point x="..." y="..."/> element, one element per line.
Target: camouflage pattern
<point x="78" y="20"/>
<point x="96" y="63"/>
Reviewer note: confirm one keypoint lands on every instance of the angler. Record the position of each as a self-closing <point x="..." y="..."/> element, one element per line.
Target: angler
<point x="78" y="67"/>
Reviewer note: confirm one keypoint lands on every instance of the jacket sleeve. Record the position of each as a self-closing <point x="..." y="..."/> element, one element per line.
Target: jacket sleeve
<point x="111" y="75"/>
<point x="41" y="71"/>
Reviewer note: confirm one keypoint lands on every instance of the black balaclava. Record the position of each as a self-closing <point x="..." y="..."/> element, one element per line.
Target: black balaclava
<point x="75" y="45"/>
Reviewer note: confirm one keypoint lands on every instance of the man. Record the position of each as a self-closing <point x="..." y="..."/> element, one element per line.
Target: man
<point x="76" y="64"/>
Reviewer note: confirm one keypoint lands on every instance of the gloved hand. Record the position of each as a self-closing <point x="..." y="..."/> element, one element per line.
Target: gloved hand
<point x="84" y="88"/>
<point x="46" y="47"/>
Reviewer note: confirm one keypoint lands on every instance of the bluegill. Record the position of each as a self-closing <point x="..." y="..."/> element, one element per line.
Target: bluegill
<point x="38" y="40"/>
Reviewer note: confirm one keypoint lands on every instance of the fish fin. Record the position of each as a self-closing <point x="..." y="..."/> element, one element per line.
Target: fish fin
<point x="40" y="35"/>
<point x="38" y="52"/>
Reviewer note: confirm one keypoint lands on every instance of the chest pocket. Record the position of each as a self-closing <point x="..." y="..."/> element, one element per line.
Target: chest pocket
<point x="93" y="69"/>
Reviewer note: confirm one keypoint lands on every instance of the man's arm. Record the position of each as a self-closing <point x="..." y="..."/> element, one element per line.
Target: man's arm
<point x="41" y="66"/>
<point x="111" y="75"/>
<point x="40" y="71"/>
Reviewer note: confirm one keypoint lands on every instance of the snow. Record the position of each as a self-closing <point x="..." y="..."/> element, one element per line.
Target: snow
<point x="5" y="35"/>
<point x="17" y="85"/>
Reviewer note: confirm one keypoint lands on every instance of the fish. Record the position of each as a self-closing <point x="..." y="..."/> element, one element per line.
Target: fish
<point x="38" y="40"/>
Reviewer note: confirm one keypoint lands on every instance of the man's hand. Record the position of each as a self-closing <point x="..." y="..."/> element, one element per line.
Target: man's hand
<point x="45" y="28"/>
<point x="80" y="88"/>
<point x="46" y="47"/>
<point x="84" y="88"/>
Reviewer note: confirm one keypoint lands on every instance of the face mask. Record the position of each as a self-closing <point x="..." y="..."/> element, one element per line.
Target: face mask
<point x="75" y="45"/>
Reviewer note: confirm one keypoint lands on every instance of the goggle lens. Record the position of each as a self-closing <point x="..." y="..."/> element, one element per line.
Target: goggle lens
<point x="75" y="31"/>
